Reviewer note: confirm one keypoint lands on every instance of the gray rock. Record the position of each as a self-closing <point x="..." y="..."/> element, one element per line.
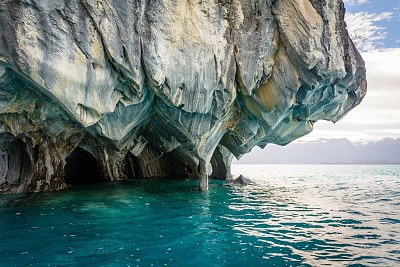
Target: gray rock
<point x="241" y="180"/>
<point x="163" y="88"/>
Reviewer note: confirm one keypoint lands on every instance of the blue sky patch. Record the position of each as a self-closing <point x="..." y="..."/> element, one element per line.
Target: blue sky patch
<point x="372" y="10"/>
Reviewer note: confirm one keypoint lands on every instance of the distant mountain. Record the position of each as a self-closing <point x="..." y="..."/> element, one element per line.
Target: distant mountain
<point x="327" y="151"/>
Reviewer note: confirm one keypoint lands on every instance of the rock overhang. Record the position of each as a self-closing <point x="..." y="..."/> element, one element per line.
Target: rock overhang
<point x="146" y="85"/>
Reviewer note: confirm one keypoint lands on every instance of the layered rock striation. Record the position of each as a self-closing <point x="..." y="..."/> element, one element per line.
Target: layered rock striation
<point x="118" y="89"/>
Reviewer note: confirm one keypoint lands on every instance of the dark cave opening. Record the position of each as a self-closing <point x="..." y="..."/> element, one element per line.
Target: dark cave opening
<point x="82" y="168"/>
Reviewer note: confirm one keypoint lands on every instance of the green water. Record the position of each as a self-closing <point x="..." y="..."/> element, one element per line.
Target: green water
<point x="291" y="216"/>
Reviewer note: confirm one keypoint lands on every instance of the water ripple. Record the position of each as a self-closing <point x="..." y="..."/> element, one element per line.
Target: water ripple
<point x="290" y="216"/>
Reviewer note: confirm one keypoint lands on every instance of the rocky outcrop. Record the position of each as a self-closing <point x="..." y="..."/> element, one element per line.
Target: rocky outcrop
<point x="241" y="180"/>
<point x="124" y="89"/>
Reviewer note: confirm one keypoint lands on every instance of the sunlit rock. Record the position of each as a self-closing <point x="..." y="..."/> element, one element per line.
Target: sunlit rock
<point x="164" y="88"/>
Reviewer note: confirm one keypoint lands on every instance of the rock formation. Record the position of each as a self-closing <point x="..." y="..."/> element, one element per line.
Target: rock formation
<point x="118" y="89"/>
<point x="241" y="180"/>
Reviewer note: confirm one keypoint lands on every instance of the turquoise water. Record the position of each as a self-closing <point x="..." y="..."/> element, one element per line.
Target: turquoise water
<point x="291" y="216"/>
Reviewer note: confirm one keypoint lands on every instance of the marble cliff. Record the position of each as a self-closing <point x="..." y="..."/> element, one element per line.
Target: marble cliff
<point x="102" y="90"/>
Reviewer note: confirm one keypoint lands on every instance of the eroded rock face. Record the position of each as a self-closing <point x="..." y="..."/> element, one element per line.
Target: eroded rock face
<point x="163" y="88"/>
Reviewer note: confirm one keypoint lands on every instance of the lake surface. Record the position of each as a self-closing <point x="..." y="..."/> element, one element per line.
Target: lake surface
<point x="293" y="215"/>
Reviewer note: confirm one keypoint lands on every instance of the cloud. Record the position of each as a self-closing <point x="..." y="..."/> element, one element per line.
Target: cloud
<point x="355" y="2"/>
<point x="364" y="31"/>
<point x="383" y="69"/>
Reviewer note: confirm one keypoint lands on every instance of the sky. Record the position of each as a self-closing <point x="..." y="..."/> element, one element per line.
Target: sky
<point x="375" y="29"/>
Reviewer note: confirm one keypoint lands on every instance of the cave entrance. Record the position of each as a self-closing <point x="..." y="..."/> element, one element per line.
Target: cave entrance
<point x="218" y="168"/>
<point x="156" y="164"/>
<point x="82" y="168"/>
